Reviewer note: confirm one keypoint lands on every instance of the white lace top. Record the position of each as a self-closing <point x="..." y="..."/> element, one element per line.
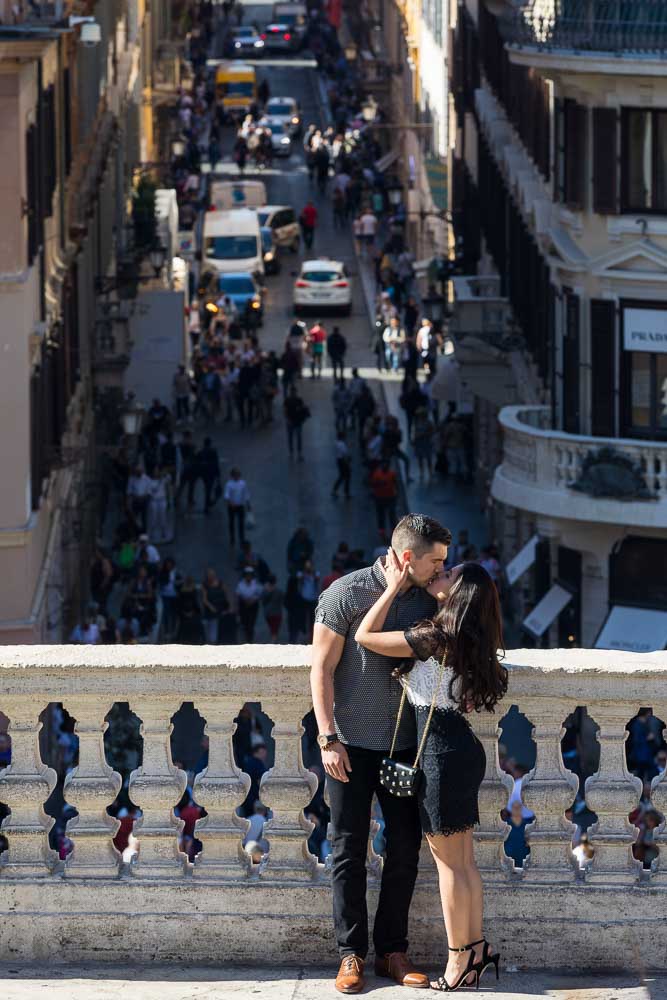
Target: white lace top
<point x="422" y="681"/>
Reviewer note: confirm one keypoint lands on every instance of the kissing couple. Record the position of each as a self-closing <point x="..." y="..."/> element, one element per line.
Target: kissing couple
<point x="403" y="651"/>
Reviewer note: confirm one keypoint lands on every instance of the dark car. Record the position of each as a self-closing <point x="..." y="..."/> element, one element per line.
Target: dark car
<point x="270" y="248"/>
<point x="280" y="38"/>
<point x="245" y="292"/>
<point x="246" y="41"/>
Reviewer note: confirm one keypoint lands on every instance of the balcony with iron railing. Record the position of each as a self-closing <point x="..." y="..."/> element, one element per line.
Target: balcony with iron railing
<point x="29" y="12"/>
<point x="635" y="30"/>
<point x="97" y="906"/>
<point x="574" y="476"/>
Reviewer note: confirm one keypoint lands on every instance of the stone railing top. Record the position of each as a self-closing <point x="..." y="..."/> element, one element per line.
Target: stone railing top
<point x="258" y="671"/>
<point x="524" y="419"/>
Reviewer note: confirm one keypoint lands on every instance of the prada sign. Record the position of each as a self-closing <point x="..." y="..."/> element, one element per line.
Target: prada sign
<point x="645" y="330"/>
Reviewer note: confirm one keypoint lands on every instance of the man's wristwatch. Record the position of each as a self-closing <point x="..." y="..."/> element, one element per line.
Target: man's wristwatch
<point x="324" y="742"/>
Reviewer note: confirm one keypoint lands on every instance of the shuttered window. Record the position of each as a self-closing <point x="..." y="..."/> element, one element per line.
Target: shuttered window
<point x="571" y="365"/>
<point x="575" y="116"/>
<point x="605" y="161"/>
<point x="603" y="367"/>
<point x="48" y="147"/>
<point x="33" y="193"/>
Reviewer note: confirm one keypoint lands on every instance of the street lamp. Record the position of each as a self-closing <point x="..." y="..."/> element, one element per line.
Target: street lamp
<point x="157" y="257"/>
<point x="132" y="416"/>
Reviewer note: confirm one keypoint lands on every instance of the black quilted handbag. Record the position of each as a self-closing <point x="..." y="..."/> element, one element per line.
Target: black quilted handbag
<point x="401" y="779"/>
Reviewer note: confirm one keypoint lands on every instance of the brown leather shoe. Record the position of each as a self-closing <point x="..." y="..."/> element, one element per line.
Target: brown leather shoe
<point x="397" y="966"/>
<point x="350" y="978"/>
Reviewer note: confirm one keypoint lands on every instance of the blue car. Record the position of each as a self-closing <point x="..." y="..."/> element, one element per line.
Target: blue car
<point x="246" y="294"/>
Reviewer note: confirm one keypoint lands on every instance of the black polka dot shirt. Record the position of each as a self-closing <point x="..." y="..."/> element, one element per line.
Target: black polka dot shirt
<point x="366" y="696"/>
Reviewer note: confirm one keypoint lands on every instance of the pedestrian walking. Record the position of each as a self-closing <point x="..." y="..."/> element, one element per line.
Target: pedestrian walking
<point x="207" y="468"/>
<point x="248" y="593"/>
<point x="237" y="497"/>
<point x="342" y="404"/>
<point x="296" y="414"/>
<point x="315" y="341"/>
<point x="344" y="464"/>
<point x="384" y="488"/>
<point x="393" y="338"/>
<point x="424" y="429"/>
<point x="368" y="225"/>
<point x="181" y="389"/>
<point x="308" y="222"/>
<point x="139" y="488"/>
<point x="158" y="528"/>
<point x="309" y="591"/>
<point x="215" y="604"/>
<point x="336" y="349"/>
<point x="273" y="599"/>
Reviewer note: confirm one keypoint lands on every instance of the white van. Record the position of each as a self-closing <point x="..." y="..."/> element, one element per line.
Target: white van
<point x="227" y="195"/>
<point x="232" y="241"/>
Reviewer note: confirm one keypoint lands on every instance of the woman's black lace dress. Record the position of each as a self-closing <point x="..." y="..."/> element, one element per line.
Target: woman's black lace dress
<point x="453" y="760"/>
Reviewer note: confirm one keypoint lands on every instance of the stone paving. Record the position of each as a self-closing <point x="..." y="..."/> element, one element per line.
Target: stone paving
<point x="19" y="982"/>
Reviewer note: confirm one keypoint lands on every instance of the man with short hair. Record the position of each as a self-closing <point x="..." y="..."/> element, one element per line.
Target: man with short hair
<point x="356" y="702"/>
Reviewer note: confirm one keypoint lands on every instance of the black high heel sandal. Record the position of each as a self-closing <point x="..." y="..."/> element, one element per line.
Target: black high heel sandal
<point x="470" y="969"/>
<point x="487" y="960"/>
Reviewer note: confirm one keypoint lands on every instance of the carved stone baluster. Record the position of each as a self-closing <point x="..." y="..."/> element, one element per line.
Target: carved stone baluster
<point x="156" y="787"/>
<point x="220" y="788"/>
<point x="613" y="793"/>
<point x="549" y="790"/>
<point x="25" y="785"/>
<point x="493" y="795"/>
<point x="287" y="789"/>
<point x="659" y="795"/>
<point x="90" y="788"/>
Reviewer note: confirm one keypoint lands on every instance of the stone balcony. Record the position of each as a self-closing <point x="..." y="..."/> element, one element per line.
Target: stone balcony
<point x="92" y="908"/>
<point x="540" y="465"/>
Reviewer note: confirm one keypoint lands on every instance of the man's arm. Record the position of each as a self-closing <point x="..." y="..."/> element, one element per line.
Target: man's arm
<point x="327" y="650"/>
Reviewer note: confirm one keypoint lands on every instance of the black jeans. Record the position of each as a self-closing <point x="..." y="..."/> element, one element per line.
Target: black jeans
<point x="350" y="818"/>
<point x="236" y="513"/>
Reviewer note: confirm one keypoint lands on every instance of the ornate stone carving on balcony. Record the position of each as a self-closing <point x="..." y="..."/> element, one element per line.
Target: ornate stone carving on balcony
<point x="550" y="472"/>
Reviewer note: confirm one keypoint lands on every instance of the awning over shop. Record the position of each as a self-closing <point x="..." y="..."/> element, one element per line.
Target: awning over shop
<point x="522" y="561"/>
<point x="386" y="161"/>
<point x="635" y="630"/>
<point x="547" y="610"/>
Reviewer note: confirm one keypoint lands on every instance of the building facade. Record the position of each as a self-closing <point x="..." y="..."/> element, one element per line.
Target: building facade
<point x="74" y="114"/>
<point x="558" y="114"/>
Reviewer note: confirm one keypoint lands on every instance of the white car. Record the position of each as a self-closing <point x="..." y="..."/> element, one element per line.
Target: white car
<point x="323" y="285"/>
<point x="286" y="110"/>
<point x="282" y="144"/>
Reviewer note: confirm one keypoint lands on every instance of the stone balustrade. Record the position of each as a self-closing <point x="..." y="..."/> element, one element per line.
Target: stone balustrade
<point x="539" y="466"/>
<point x="92" y="907"/>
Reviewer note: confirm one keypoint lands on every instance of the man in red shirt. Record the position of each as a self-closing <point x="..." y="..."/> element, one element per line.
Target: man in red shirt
<point x="308" y="220"/>
<point x="316" y="339"/>
<point x="384" y="487"/>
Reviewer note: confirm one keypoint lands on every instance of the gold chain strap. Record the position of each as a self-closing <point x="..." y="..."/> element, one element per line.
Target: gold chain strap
<point x="428" y="721"/>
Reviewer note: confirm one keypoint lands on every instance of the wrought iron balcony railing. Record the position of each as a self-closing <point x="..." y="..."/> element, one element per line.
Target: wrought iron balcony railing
<point x="633" y="27"/>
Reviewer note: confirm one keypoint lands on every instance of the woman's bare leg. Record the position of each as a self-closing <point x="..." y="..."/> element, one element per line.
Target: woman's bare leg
<point x="458" y="894"/>
<point x="477" y="897"/>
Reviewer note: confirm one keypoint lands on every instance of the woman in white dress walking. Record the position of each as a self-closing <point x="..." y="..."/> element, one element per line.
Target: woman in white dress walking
<point x="456" y="671"/>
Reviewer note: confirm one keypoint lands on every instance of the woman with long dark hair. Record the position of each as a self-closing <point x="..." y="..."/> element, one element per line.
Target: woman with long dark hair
<point x="450" y="662"/>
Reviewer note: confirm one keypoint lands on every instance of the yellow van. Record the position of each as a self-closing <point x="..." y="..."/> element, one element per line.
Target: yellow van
<point x="235" y="86"/>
